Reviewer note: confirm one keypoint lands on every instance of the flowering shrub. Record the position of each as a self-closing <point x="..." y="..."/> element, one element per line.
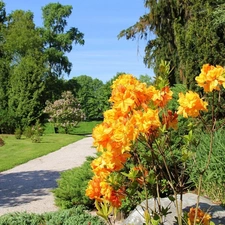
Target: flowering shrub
<point x="140" y="115"/>
<point x="65" y="112"/>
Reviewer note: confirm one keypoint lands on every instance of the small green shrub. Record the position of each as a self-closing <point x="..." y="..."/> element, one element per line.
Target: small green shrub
<point x="35" y="138"/>
<point x="213" y="184"/>
<point x="21" y="218"/>
<point x="28" y="132"/>
<point x="18" y="133"/>
<point x="74" y="216"/>
<point x="37" y="129"/>
<point x="36" y="132"/>
<point x="72" y="186"/>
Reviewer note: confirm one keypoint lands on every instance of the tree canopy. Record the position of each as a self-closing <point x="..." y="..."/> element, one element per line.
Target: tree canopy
<point x="32" y="59"/>
<point x="93" y="96"/>
<point x="185" y="33"/>
<point x="58" y="41"/>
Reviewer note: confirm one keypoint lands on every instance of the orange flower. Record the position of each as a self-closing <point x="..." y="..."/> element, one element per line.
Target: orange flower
<point x="147" y="121"/>
<point x="99" y="167"/>
<point x="115" y="160"/>
<point x="190" y="104"/>
<point x="93" y="190"/>
<point x="202" y="217"/>
<point x="112" y="115"/>
<point x="101" y="134"/>
<point x="116" y="198"/>
<point x="211" y="78"/>
<point x="106" y="190"/>
<point x="151" y="90"/>
<point x="171" y="120"/>
<point x="162" y="97"/>
<point x="128" y="93"/>
<point x="120" y="134"/>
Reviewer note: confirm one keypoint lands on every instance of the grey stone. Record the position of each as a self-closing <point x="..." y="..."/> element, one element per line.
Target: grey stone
<point x="189" y="200"/>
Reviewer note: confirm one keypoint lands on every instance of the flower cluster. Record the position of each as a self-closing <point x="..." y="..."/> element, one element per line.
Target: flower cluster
<point x="139" y="111"/>
<point x="191" y="104"/>
<point x="202" y="217"/>
<point x="211" y="78"/>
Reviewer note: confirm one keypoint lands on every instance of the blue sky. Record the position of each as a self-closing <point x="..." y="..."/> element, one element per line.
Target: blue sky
<point x="103" y="55"/>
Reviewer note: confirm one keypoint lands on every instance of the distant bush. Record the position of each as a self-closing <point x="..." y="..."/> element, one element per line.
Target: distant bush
<point x="72" y="186"/>
<point x="74" y="216"/>
<point x="37" y="129"/>
<point x="27" y="132"/>
<point x="34" y="132"/>
<point x="18" y="133"/>
<point x="35" y="138"/>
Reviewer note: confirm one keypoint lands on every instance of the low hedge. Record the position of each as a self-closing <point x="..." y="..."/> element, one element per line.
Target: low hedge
<point x="72" y="186"/>
<point x="74" y="216"/>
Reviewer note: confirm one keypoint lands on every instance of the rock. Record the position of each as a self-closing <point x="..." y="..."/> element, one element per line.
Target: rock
<point x="189" y="200"/>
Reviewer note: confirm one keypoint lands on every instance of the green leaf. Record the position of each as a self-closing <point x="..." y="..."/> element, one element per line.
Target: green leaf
<point x="171" y="198"/>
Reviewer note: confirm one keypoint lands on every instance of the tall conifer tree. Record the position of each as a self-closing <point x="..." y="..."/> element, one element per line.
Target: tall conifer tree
<point x="183" y="33"/>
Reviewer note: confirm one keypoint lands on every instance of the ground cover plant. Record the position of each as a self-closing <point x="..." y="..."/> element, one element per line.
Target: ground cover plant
<point x="74" y="216"/>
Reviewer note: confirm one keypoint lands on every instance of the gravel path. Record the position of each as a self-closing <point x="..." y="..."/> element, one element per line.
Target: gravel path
<point x="27" y="187"/>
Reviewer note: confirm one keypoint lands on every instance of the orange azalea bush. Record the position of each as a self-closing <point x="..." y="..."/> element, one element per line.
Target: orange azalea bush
<point x="140" y="113"/>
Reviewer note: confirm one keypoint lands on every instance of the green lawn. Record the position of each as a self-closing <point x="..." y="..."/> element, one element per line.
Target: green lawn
<point x="18" y="151"/>
<point x="83" y="128"/>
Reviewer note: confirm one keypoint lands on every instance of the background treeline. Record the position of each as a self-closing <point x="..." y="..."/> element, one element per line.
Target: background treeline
<point x="188" y="34"/>
<point x="32" y="59"/>
<point x="33" y="62"/>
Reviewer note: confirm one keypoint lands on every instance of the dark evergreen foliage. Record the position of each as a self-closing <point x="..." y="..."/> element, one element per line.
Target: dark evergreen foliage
<point x="188" y="34"/>
<point x="72" y="186"/>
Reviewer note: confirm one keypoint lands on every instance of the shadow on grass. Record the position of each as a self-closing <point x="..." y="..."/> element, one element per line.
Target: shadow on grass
<point x="24" y="187"/>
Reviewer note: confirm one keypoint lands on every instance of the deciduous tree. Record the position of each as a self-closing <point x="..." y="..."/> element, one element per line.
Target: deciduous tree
<point x="93" y="96"/>
<point x="23" y="46"/>
<point x="59" y="41"/>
